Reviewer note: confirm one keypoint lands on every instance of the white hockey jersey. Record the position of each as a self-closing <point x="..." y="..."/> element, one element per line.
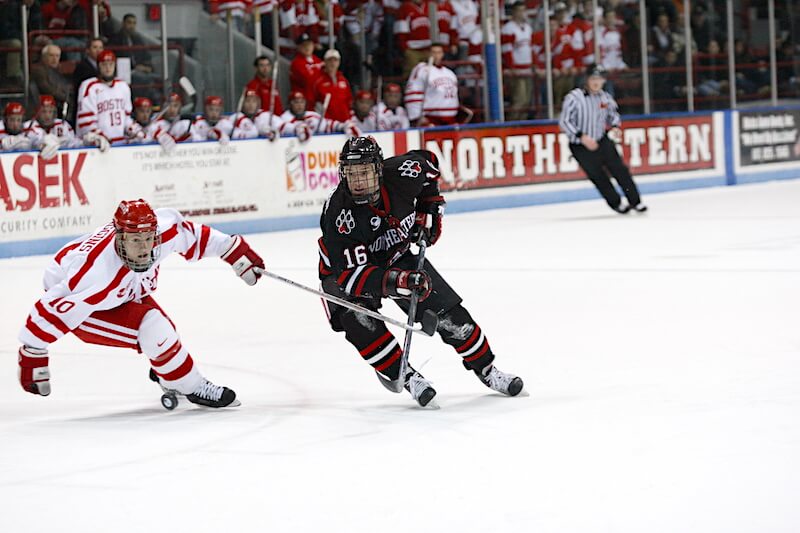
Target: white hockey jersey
<point x="610" y="47"/>
<point x="517" y="42"/>
<point x="262" y="124"/>
<point x="203" y="130"/>
<point x="467" y="24"/>
<point x="180" y="127"/>
<point x="21" y="140"/>
<point x="368" y="123"/>
<point x="60" y="129"/>
<point x="105" y="109"/>
<point x="313" y="121"/>
<point x="87" y="275"/>
<point x="431" y="91"/>
<point x="392" y="119"/>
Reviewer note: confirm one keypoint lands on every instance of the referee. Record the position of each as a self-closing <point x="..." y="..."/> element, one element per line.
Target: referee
<point x="585" y="116"/>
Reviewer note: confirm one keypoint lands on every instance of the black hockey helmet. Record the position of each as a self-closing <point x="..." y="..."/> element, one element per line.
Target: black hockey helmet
<point x="363" y="183"/>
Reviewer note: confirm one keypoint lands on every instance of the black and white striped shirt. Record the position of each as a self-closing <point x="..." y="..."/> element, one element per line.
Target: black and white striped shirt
<point x="589" y="114"/>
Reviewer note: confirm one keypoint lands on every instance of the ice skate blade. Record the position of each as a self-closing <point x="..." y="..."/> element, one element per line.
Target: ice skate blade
<point x="432" y="405"/>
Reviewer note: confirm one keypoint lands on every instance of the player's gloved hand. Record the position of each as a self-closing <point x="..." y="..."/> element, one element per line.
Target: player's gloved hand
<point x="219" y="135"/>
<point x="268" y="133"/>
<point x="135" y="132"/>
<point x="96" y="139"/>
<point x="34" y="375"/>
<point x="166" y="141"/>
<point x="428" y="222"/>
<point x="243" y="258"/>
<point x="302" y="131"/>
<point x="50" y="146"/>
<point x="351" y="130"/>
<point x="403" y="283"/>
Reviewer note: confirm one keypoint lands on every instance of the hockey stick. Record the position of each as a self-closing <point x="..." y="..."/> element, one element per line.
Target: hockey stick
<point x="429" y="321"/>
<point x="397" y="385"/>
<point x="272" y="91"/>
<point x="325" y="105"/>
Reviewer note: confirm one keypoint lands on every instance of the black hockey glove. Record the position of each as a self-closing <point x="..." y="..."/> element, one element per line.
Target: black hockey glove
<point x="403" y="283"/>
<point x="428" y="221"/>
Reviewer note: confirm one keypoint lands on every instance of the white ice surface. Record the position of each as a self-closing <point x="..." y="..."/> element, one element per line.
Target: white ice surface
<point x="661" y="353"/>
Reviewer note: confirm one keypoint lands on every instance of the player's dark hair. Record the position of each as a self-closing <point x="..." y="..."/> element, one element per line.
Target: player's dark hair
<point x="261" y="58"/>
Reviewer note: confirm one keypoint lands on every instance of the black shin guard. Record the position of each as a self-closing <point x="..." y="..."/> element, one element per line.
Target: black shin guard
<point x="457" y="329"/>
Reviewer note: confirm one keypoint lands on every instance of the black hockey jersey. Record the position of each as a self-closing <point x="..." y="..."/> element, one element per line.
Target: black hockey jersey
<point x="360" y="242"/>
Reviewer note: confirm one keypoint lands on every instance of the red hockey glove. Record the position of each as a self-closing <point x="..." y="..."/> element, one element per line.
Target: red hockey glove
<point x="403" y="283"/>
<point x="428" y="222"/>
<point x="243" y="258"/>
<point x="34" y="375"/>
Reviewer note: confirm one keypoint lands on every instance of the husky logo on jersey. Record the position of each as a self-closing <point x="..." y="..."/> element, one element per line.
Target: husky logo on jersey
<point x="345" y="222"/>
<point x="375" y="222"/>
<point x="410" y="168"/>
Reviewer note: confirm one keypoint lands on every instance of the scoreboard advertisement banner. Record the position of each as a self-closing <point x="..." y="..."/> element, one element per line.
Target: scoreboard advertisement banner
<point x="768" y="137"/>
<point x="478" y="158"/>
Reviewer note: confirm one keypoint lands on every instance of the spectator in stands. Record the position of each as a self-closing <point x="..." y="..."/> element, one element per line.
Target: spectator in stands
<point x="331" y="85"/>
<point x="69" y="16"/>
<point x="565" y="66"/>
<point x="610" y="43"/>
<point x="262" y="84"/>
<point x="432" y="92"/>
<point x="305" y="68"/>
<point x="143" y="76"/>
<point x="363" y="114"/>
<point x="286" y="14"/>
<point x="660" y="39"/>
<point x="12" y="134"/>
<point x="784" y="56"/>
<point x="712" y="72"/>
<point x="46" y="79"/>
<point x="413" y="32"/>
<point x="750" y="77"/>
<point x="518" y="57"/>
<point x="656" y="8"/>
<point x="669" y="83"/>
<point x="236" y="8"/>
<point x="87" y="68"/>
<point x="308" y="20"/>
<point x="391" y="115"/>
<point x="11" y="37"/>
<point x="104" y="23"/>
<point x="702" y="29"/>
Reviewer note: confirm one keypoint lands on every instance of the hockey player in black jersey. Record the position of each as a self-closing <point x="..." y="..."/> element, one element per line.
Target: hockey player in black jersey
<point x="368" y="224"/>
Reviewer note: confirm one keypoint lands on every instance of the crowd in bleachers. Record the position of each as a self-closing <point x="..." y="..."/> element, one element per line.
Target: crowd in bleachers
<point x="387" y="53"/>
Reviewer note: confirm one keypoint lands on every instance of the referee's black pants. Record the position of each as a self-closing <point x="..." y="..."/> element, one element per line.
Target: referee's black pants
<point x="600" y="165"/>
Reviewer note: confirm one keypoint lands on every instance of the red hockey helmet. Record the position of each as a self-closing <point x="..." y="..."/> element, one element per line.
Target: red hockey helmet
<point x="392" y="88"/>
<point x="141" y="101"/>
<point x="213" y="100"/>
<point x="106" y="55"/>
<point x="364" y="95"/>
<point x="46" y="99"/>
<point x="14" y="108"/>
<point x="135" y="216"/>
<point x="250" y="92"/>
<point x="296" y="95"/>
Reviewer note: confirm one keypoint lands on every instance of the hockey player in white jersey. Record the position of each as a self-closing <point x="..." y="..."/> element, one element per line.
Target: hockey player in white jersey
<point x="253" y="122"/>
<point x="12" y="132"/>
<point x="141" y="128"/>
<point x="99" y="288"/>
<point x="363" y="114"/>
<point x="48" y="133"/>
<point x="104" y="105"/>
<point x="169" y="126"/>
<point x="432" y="92"/>
<point x="303" y="124"/>
<point x="392" y="115"/>
<point x="212" y="125"/>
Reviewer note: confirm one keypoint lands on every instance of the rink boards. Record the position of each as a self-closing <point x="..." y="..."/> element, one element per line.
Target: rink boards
<point x="258" y="185"/>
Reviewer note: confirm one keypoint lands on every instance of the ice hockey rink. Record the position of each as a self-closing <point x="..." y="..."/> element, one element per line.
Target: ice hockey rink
<point x="660" y="352"/>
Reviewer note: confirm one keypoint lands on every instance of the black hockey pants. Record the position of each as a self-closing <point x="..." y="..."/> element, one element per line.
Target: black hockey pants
<point x="603" y="163"/>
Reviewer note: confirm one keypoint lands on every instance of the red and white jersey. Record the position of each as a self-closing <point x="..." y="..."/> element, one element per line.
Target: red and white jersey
<point x="237" y="7"/>
<point x="201" y="128"/>
<point x="138" y="134"/>
<point x="431" y="91"/>
<point x="413" y="26"/>
<point x="60" y="128"/>
<point x="392" y="119"/>
<point x="445" y="16"/>
<point x="180" y="128"/>
<point x="262" y="124"/>
<point x="87" y="275"/>
<point x="104" y="108"/>
<point x="517" y="44"/>
<point x="312" y="119"/>
<point x="368" y="123"/>
<point x="307" y="18"/>
<point x="610" y="47"/>
<point x="468" y="25"/>
<point x="22" y="142"/>
<point x="582" y="41"/>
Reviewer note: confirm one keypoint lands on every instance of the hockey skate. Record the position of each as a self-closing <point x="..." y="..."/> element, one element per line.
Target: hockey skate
<point x="206" y="394"/>
<point x="507" y="384"/>
<point x="419" y="388"/>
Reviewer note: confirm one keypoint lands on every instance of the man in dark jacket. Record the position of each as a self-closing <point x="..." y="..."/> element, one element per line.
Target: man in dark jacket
<point x="87" y="68"/>
<point x="11" y="36"/>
